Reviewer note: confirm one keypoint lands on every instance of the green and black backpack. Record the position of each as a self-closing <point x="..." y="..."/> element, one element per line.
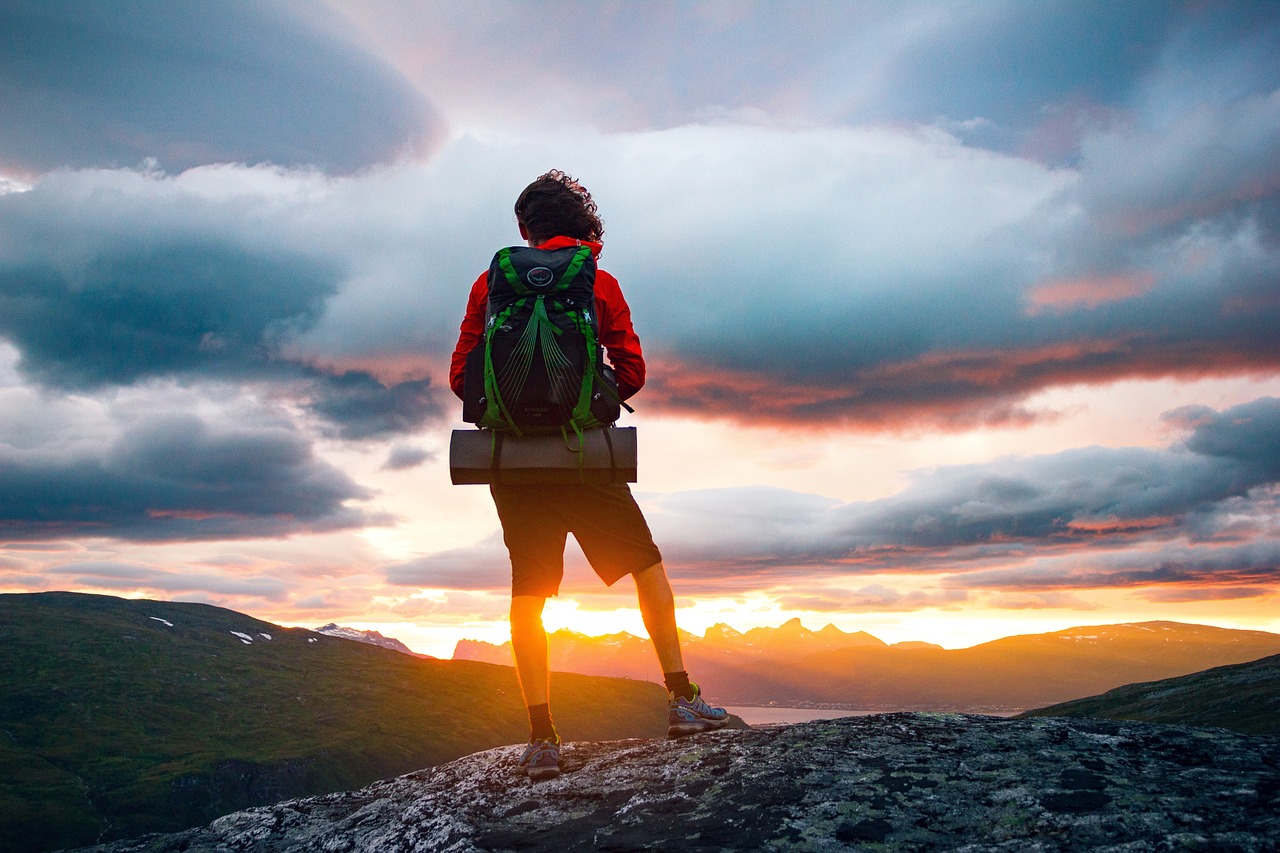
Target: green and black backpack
<point x="539" y="368"/>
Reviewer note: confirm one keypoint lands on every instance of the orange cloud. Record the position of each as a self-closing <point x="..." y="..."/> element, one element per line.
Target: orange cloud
<point x="387" y="367"/>
<point x="1112" y="524"/>
<point x="954" y="389"/>
<point x="197" y="515"/>
<point x="1208" y="592"/>
<point x="1089" y="292"/>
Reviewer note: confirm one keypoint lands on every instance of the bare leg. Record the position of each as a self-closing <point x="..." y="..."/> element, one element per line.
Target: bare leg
<point x="529" y="643"/>
<point x="658" y="609"/>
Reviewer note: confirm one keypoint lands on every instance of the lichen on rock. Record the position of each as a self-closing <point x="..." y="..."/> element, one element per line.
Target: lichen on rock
<point x="887" y="782"/>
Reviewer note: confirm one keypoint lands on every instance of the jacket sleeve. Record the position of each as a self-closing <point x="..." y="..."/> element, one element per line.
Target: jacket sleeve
<point x="618" y="336"/>
<point x="471" y="331"/>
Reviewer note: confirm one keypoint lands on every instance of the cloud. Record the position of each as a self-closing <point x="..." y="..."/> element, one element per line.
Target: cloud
<point x="157" y="310"/>
<point x="106" y="85"/>
<point x="951" y="516"/>
<point x="192" y="276"/>
<point x="907" y="286"/>
<point x="129" y="576"/>
<point x="1248" y="433"/>
<point x="175" y="478"/>
<point x="1041" y="601"/>
<point x="831" y="63"/>
<point x="1198" y="514"/>
<point x="363" y="407"/>
<point x="1213" y="160"/>
<point x="1217" y="593"/>
<point x="909" y="281"/>
<point x="1198" y="570"/>
<point x="484" y="567"/>
<point x="454" y="608"/>
<point x="874" y="597"/>
<point x="1090" y="292"/>
<point x="406" y="456"/>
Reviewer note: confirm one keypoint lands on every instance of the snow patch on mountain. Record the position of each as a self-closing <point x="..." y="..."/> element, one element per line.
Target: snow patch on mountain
<point x="373" y="638"/>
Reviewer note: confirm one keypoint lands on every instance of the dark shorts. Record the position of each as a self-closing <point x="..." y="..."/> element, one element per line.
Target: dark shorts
<point x="605" y="520"/>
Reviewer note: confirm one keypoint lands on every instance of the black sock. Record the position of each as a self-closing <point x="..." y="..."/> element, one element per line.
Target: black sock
<point x="678" y="684"/>
<point x="540" y="725"/>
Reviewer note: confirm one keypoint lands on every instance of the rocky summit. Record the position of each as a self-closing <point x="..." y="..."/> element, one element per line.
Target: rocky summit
<point x="887" y="783"/>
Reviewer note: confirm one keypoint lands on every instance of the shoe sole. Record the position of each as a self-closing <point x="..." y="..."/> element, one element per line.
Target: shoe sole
<point x="538" y="774"/>
<point x="685" y="729"/>
<point x="543" y="774"/>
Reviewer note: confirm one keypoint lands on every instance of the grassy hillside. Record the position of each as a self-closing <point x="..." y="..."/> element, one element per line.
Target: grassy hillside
<point x="124" y="717"/>
<point x="1244" y="697"/>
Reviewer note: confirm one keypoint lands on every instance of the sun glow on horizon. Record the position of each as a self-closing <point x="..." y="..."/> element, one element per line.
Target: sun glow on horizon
<point x="950" y="629"/>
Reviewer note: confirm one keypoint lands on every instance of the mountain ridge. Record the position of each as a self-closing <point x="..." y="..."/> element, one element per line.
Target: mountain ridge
<point x="792" y="665"/>
<point x="373" y="638"/>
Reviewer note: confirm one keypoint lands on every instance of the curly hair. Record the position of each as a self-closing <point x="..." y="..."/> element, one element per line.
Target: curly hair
<point x="556" y="205"/>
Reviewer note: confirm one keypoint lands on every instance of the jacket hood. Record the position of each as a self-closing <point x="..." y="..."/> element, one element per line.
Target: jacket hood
<point x="565" y="242"/>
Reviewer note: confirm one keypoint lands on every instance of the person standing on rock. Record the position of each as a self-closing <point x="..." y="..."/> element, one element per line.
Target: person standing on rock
<point x="555" y="212"/>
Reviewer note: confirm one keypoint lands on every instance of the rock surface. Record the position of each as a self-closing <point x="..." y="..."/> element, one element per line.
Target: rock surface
<point x="887" y="782"/>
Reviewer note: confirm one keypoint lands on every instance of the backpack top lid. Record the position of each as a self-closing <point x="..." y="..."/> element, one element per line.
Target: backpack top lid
<point x="520" y="271"/>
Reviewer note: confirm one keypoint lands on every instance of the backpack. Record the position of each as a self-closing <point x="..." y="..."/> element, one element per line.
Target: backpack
<point x="540" y="367"/>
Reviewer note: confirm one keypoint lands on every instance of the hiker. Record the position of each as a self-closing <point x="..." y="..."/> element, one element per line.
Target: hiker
<point x="556" y="212"/>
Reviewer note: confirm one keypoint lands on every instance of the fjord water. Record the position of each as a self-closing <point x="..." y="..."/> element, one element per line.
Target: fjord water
<point x="763" y="715"/>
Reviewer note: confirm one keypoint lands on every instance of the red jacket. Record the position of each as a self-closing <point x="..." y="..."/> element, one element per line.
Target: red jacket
<point x="622" y="347"/>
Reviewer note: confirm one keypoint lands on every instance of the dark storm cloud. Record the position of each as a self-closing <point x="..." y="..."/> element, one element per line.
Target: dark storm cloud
<point x="360" y="406"/>
<point x="963" y="354"/>
<point x="833" y="294"/>
<point x="107" y="84"/>
<point x="1248" y="433"/>
<point x="146" y="280"/>
<point x="917" y="283"/>
<point x="137" y="312"/>
<point x="865" y="277"/>
<point x="1085" y="495"/>
<point x="177" y="479"/>
<point x="1202" y="573"/>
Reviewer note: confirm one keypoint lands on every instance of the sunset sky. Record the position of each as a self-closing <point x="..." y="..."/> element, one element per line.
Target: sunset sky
<point x="962" y="318"/>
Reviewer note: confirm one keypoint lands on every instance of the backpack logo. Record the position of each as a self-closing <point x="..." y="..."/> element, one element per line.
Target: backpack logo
<point x="539" y="277"/>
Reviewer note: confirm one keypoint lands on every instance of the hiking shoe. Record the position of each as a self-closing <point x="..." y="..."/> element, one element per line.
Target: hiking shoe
<point x="691" y="716"/>
<point x="541" y="759"/>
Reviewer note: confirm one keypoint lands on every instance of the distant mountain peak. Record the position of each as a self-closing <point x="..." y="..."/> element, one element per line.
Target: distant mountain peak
<point x="721" y="631"/>
<point x="372" y="638"/>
